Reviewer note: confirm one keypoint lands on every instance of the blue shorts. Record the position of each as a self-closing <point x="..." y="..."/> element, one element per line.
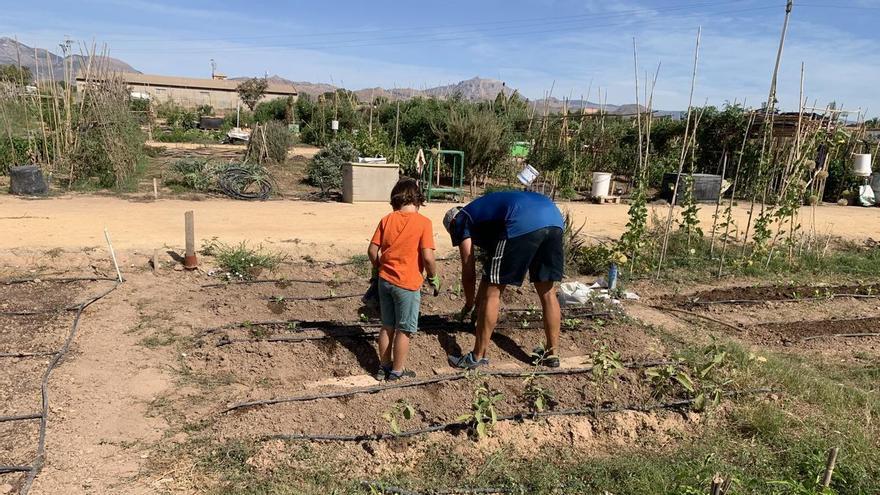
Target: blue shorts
<point x="399" y="307"/>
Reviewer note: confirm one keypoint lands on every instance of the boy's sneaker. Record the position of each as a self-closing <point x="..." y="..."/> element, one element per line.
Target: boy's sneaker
<point x="393" y="376"/>
<point x="467" y="362"/>
<point x="382" y="374"/>
<point x="541" y="357"/>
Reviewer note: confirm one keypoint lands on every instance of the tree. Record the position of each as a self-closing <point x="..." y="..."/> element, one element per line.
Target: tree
<point x="251" y="90"/>
<point x="15" y="75"/>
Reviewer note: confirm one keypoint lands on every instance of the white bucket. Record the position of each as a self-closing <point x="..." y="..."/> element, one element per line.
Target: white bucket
<point x="862" y="164"/>
<point x="528" y="175"/>
<point x="601" y="184"/>
<point x="334" y="125"/>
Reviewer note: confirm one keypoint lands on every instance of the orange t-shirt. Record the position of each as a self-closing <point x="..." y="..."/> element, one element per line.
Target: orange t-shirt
<point x="401" y="236"/>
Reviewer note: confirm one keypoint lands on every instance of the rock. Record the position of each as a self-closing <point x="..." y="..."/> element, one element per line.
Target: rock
<point x="178" y="267"/>
<point x="340" y="416"/>
<point x="6" y="488"/>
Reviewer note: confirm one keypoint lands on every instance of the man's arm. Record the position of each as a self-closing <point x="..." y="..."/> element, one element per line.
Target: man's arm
<point x="468" y="272"/>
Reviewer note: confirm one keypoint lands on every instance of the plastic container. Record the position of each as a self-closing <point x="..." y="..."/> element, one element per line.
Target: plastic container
<point x="27" y="180"/>
<point x="707" y="187"/>
<point x="601" y="184"/>
<point x="861" y="164"/>
<point x="528" y="175"/>
<point x="613" y="271"/>
<point x="368" y="181"/>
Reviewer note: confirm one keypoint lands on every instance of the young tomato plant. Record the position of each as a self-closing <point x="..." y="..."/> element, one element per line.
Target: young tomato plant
<point x="401" y="410"/>
<point x="482" y="416"/>
<point x="666" y="379"/>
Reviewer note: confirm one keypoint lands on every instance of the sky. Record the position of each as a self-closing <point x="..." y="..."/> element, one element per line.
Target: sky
<point x="576" y="47"/>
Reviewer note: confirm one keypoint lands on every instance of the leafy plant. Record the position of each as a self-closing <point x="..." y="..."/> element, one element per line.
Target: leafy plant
<point x="401" y="410"/>
<point x="667" y="379"/>
<point x="325" y="169"/>
<point x="482" y="416"/>
<point x="606" y="363"/>
<point x="198" y="174"/>
<point x="269" y="141"/>
<point x="240" y="261"/>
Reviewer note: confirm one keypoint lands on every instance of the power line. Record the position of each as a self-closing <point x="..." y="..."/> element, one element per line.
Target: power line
<point x="504" y="24"/>
<point x="438" y="38"/>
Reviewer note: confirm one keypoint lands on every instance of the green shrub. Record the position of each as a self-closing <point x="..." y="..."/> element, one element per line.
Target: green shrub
<point x="269" y="141"/>
<point x="482" y="137"/>
<point x="325" y="169"/>
<point x="240" y="262"/>
<point x="198" y="174"/>
<point x="275" y="109"/>
<point x="179" y="135"/>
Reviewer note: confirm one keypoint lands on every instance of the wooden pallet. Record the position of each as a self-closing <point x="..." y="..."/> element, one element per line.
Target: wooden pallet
<point x="606" y="200"/>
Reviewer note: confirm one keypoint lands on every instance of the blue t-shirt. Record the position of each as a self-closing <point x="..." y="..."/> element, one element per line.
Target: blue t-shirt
<point x="504" y="215"/>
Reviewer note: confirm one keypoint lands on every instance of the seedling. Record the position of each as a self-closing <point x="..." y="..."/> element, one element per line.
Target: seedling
<point x="606" y="363"/>
<point x="538" y="397"/>
<point x="401" y="410"/>
<point x="571" y="323"/>
<point x="482" y="416"/>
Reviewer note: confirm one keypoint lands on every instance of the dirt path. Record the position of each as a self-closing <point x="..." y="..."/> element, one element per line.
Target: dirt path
<point x="322" y="230"/>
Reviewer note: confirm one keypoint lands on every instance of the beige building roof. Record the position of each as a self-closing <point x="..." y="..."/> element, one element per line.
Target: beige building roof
<point x="196" y="83"/>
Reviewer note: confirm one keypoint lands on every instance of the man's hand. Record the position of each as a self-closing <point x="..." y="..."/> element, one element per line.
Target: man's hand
<point x="435" y="284"/>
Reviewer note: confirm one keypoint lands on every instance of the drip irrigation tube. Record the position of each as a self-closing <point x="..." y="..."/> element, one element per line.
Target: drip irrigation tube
<point x="268" y="281"/>
<point x="697" y="315"/>
<point x="790" y="299"/>
<point x="23" y="417"/>
<point x="14" y="469"/>
<point x="841" y="335"/>
<point x="460" y="425"/>
<point x="40" y="458"/>
<point x="395" y="490"/>
<point x="313" y="298"/>
<point x="25" y="354"/>
<point x="60" y="280"/>
<point x="430" y="381"/>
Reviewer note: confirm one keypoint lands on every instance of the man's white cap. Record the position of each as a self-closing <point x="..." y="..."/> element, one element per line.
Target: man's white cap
<point x="449" y="217"/>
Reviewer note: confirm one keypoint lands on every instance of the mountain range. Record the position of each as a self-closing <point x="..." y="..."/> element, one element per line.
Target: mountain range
<point x="42" y="62"/>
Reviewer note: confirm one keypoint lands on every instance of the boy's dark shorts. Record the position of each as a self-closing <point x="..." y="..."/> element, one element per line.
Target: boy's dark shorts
<point x="539" y="253"/>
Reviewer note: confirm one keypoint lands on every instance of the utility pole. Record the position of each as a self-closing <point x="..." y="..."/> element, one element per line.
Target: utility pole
<point x="771" y="99"/>
<point x="213" y="68"/>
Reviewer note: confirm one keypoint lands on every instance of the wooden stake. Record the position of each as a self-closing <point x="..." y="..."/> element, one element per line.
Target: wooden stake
<point x="190" y="262"/>
<point x="112" y="254"/>
<point x="155" y="261"/>
<point x="683" y="156"/>
<point x="829" y="467"/>
<point x="155" y="188"/>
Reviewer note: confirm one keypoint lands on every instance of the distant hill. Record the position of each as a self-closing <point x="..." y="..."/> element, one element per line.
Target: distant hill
<point x="473" y="89"/>
<point x="38" y="60"/>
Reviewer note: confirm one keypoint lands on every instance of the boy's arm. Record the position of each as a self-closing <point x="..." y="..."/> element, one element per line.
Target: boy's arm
<point x="373" y="254"/>
<point x="430" y="262"/>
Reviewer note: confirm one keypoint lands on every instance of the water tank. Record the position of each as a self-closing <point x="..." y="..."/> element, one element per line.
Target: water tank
<point x="707" y="187"/>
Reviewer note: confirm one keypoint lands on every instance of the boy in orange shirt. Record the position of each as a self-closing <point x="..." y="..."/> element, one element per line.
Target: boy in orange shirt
<point x="405" y="240"/>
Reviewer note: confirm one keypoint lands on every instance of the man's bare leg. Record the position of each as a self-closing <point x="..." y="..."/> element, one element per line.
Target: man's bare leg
<point x="386" y="337"/>
<point x="552" y="315"/>
<point x="487" y="317"/>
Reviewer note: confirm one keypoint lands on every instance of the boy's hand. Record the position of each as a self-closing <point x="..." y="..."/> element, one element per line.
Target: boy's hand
<point x="435" y="284"/>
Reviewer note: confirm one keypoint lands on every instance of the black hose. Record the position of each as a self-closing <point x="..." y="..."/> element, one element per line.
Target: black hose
<point x="23" y="417"/>
<point x="430" y="381"/>
<point x="24" y="354"/>
<point x="60" y="280"/>
<point x="236" y="181"/>
<point x="266" y="281"/>
<point x="40" y="458"/>
<point x="14" y="469"/>
<point x="460" y="425"/>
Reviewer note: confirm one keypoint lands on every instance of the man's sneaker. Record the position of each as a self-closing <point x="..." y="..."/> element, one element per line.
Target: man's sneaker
<point x="540" y="357"/>
<point x="393" y="376"/>
<point x="467" y="362"/>
<point x="382" y="374"/>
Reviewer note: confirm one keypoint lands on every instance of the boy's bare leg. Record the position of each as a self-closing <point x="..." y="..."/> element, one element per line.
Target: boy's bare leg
<point x="487" y="317"/>
<point x="550" y="306"/>
<point x="386" y="337"/>
<point x="400" y="350"/>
